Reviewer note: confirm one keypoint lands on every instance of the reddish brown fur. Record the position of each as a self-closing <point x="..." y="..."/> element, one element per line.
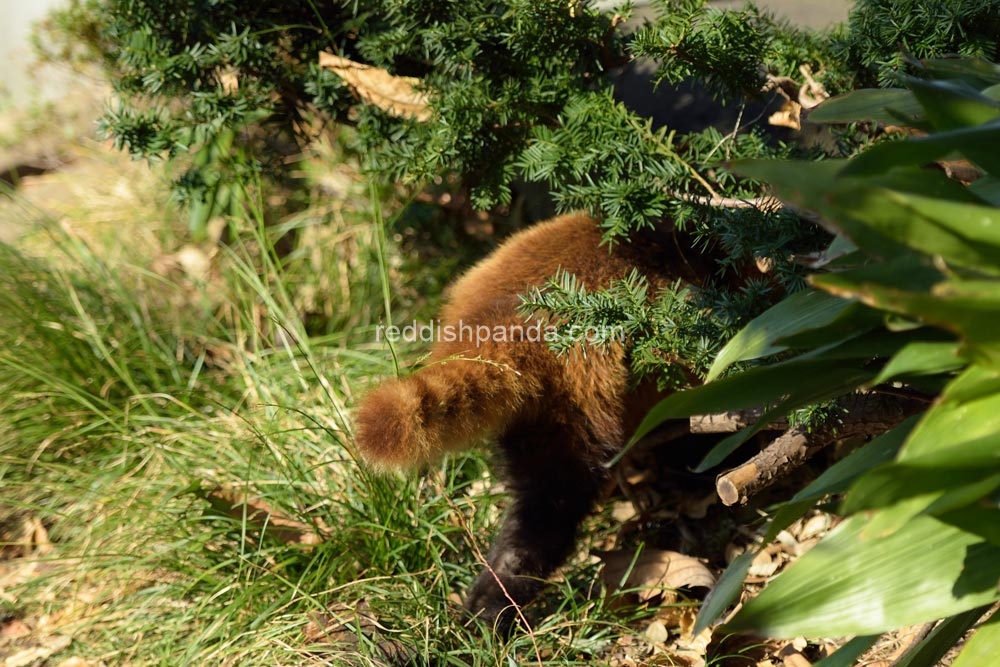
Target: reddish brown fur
<point x="556" y="420"/>
<point x="465" y="392"/>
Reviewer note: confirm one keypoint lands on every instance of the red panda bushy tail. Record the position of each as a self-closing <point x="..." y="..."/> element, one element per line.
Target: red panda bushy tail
<point x="443" y="407"/>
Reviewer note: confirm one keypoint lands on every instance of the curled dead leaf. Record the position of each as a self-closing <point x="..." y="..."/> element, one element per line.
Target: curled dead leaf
<point x="397" y="95"/>
<point x="653" y="572"/>
<point x="789" y="115"/>
<point x="260" y="516"/>
<point x="40" y="650"/>
<point x="347" y="631"/>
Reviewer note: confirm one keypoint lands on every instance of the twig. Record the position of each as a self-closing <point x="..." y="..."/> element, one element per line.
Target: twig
<point x="784" y="453"/>
<point x="730" y="422"/>
<point x="864" y="415"/>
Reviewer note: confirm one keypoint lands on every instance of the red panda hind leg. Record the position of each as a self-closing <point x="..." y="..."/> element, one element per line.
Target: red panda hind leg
<point x="554" y="485"/>
<point x="556" y="421"/>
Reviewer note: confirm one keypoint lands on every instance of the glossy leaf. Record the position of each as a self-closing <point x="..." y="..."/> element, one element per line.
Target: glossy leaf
<point x="802" y="311"/>
<point x="963" y="463"/>
<point x="753" y="388"/>
<point x="879" y="105"/>
<point x="967" y="411"/>
<point x="966" y="308"/>
<point x="963" y="233"/>
<point x="847" y="655"/>
<point x="728" y="587"/>
<point x="852" y="583"/>
<point x="922" y="358"/>
<point x="941" y="639"/>
<point x="953" y="104"/>
<point x="976" y="143"/>
<point x="983" y="647"/>
<point x="983" y="521"/>
<point x="976" y="72"/>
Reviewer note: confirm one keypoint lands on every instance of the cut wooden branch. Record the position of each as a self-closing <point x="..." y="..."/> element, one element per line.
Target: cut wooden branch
<point x="765" y="203"/>
<point x="730" y="422"/>
<point x="863" y="415"/>
<point x="786" y="452"/>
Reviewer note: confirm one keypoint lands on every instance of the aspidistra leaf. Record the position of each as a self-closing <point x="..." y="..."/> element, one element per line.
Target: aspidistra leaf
<point x="951" y="104"/>
<point x="960" y="232"/>
<point x="879" y="105"/>
<point x="968" y="409"/>
<point x="857" y="584"/>
<point x="802" y="311"/>
<point x="755" y="387"/>
<point x="976" y="143"/>
<point x="983" y="647"/>
<point x="922" y="358"/>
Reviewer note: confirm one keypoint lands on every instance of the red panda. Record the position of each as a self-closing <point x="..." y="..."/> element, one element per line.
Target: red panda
<point x="556" y="420"/>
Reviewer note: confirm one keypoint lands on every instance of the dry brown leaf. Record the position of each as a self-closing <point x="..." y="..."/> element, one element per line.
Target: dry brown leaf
<point x="653" y="572"/>
<point x="792" y="657"/>
<point x="656" y="632"/>
<point x="694" y="648"/>
<point x="789" y="115"/>
<point x="397" y="95"/>
<point x="235" y="503"/>
<point x="13" y="629"/>
<point x="80" y="662"/>
<point x="763" y="565"/>
<point x="339" y="631"/>
<point x="42" y="650"/>
<point x="340" y="624"/>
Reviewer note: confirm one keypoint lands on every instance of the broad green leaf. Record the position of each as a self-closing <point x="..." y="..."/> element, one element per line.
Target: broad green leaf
<point x="753" y="388"/>
<point x="936" y="471"/>
<point x="853" y="324"/>
<point x="976" y="143"/>
<point x="968" y="409"/>
<point x="940" y="640"/>
<point x="860" y="352"/>
<point x="968" y="308"/>
<point x="726" y="590"/>
<point x="847" y="655"/>
<point x="963" y="233"/>
<point x="800" y="181"/>
<point x="974" y="383"/>
<point x="819" y="186"/>
<point x="840" y="250"/>
<point x="983" y="521"/>
<point x="802" y="311"/>
<point x="855" y="353"/>
<point x="962" y="497"/>
<point x="855" y="584"/>
<point x="987" y="189"/>
<point x="868" y="104"/>
<point x="953" y="104"/>
<point x="983" y="647"/>
<point x="922" y="358"/>
<point x="976" y="72"/>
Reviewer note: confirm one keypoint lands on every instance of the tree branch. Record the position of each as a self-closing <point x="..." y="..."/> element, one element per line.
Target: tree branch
<point x="865" y="415"/>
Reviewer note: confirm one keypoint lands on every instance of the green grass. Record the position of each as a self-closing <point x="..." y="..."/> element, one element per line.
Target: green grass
<point x="130" y="397"/>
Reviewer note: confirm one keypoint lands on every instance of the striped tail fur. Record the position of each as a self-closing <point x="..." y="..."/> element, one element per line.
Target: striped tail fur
<point x="447" y="406"/>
